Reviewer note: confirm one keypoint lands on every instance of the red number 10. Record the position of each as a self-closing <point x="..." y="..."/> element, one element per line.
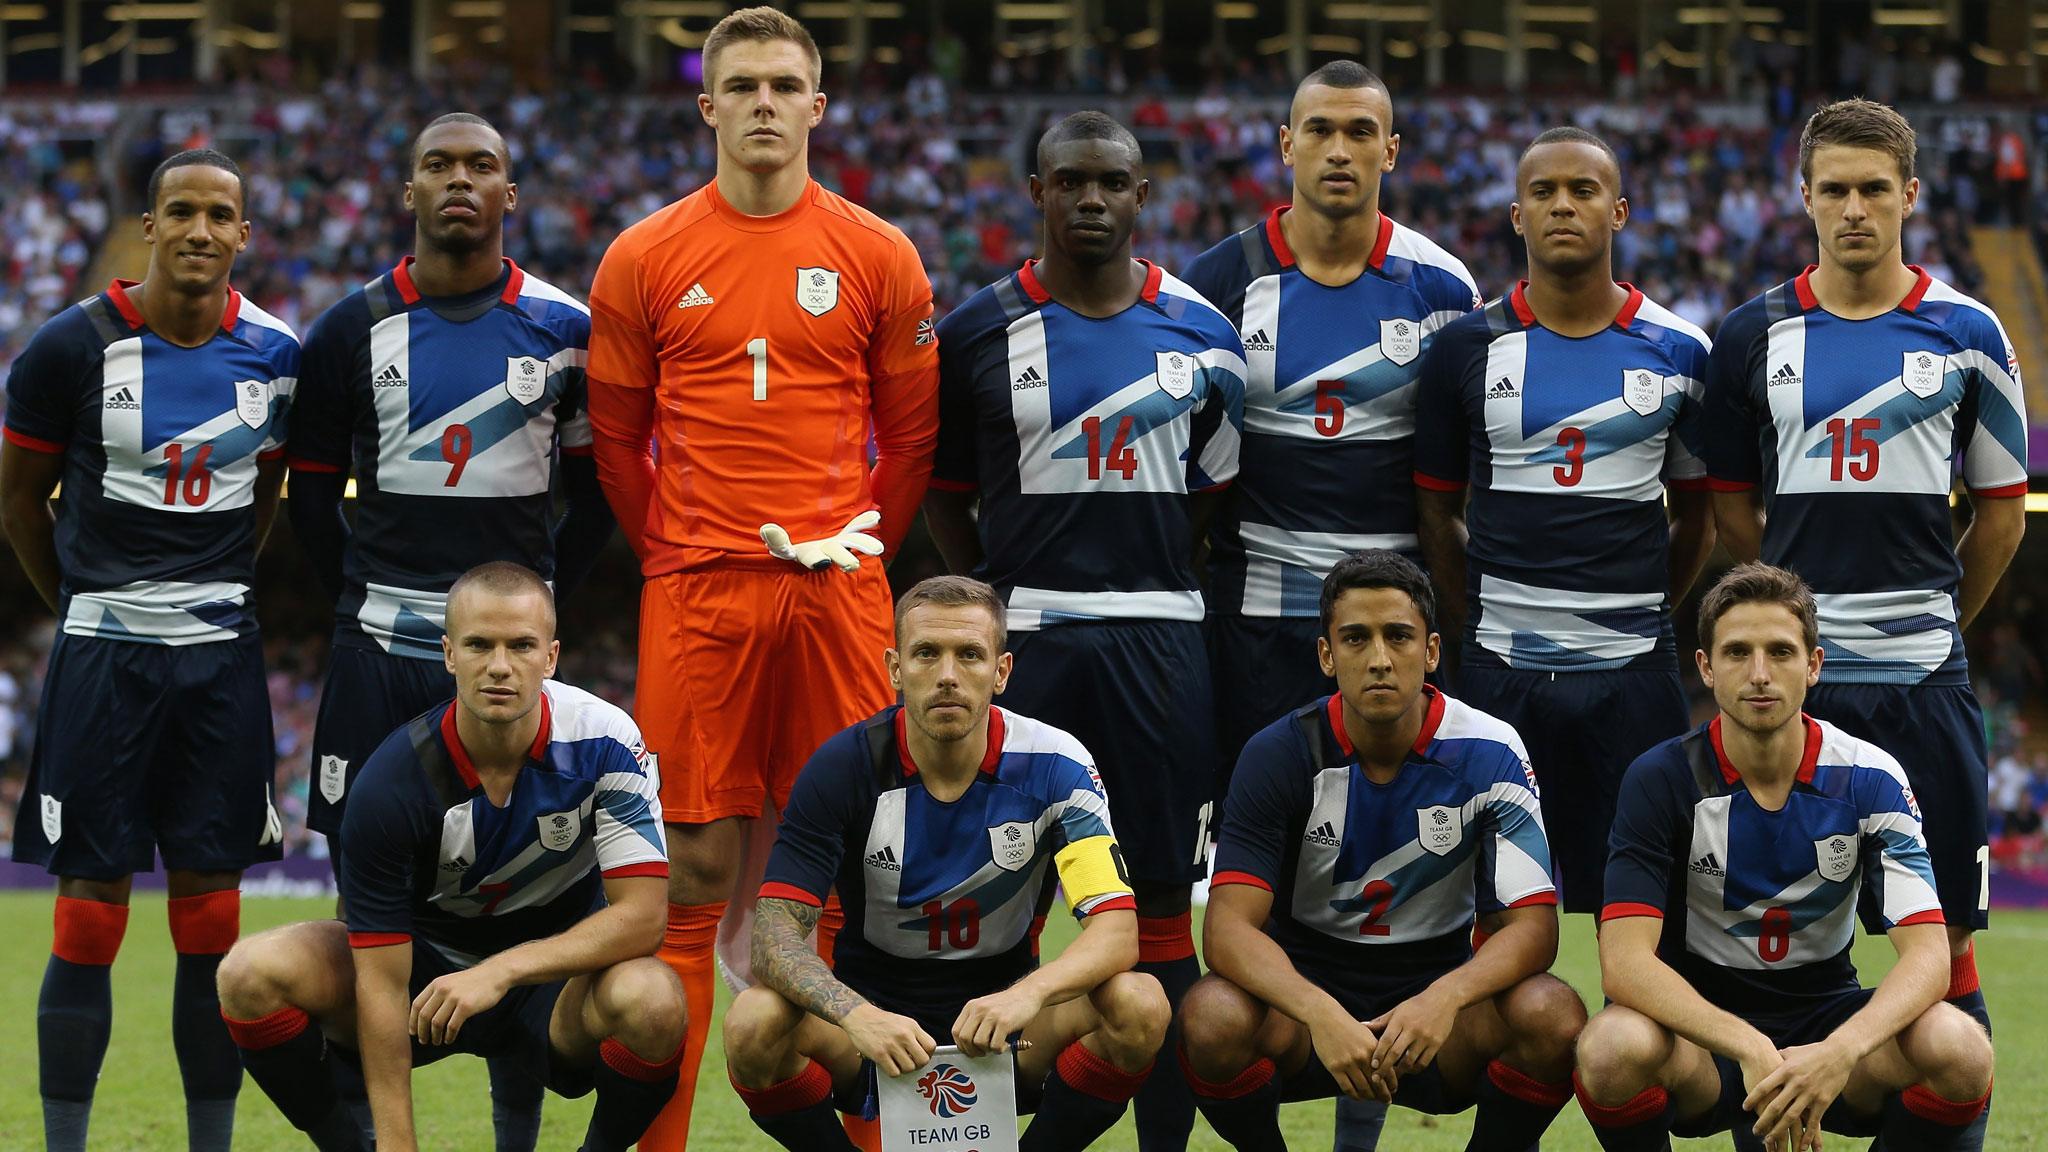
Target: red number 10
<point x="959" y="922"/>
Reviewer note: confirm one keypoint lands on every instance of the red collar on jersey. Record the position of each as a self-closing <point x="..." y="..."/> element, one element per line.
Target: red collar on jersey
<point x="989" y="759"/>
<point x="401" y="278"/>
<point x="1802" y="287"/>
<point x="1518" y="299"/>
<point x="1807" y="758"/>
<point x="1285" y="255"/>
<point x="1432" y="719"/>
<point x="1028" y="280"/>
<point x="118" y="293"/>
<point x="465" y="767"/>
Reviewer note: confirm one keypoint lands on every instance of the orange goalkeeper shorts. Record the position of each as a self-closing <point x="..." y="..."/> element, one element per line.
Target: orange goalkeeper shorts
<point x="744" y="672"/>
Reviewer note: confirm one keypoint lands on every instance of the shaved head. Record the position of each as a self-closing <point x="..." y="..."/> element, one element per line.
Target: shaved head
<point x="1086" y="126"/>
<point x="1569" y="135"/>
<point x="1338" y="74"/>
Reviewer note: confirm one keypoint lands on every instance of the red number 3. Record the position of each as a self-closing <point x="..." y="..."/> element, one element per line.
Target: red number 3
<point x="1573" y="441"/>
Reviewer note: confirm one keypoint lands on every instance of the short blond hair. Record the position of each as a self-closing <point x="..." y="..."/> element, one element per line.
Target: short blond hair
<point x="760" y="24"/>
<point x="1858" y="123"/>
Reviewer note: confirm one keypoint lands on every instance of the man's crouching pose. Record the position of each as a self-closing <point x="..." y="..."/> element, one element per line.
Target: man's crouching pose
<point x="935" y="820"/>
<point x="1340" y="917"/>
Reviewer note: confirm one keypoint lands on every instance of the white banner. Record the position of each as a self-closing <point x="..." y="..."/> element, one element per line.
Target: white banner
<point x="954" y="1103"/>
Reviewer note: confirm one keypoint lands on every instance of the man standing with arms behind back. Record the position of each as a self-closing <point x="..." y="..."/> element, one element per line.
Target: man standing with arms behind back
<point x="1838" y="401"/>
<point x="751" y="334"/>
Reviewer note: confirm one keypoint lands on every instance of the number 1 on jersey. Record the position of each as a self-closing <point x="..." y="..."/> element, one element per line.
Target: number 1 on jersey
<point x="758" y="349"/>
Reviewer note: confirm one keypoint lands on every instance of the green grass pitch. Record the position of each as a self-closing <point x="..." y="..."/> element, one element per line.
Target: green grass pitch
<point x="140" y="1106"/>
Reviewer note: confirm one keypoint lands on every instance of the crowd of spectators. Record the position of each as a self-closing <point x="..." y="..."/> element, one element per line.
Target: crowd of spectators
<point x="56" y="212"/>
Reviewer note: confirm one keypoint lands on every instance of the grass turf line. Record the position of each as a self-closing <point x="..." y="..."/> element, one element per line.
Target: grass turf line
<point x="140" y="1105"/>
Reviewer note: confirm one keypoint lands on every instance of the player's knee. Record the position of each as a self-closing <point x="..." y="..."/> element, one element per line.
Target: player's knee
<point x="246" y="980"/>
<point x="1134" y="1012"/>
<point x="757" y="1027"/>
<point x="1545" y="1015"/>
<point x="642" y="1001"/>
<point x="1952" y="1052"/>
<point x="1218" y="1022"/>
<point x="1619" y="1054"/>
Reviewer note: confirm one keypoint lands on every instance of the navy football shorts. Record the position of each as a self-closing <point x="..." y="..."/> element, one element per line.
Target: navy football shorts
<point x="1809" y="1025"/>
<point x="148" y="748"/>
<point x="369" y="695"/>
<point x="1937" y="735"/>
<point x="1264" y="667"/>
<point x="1582" y="730"/>
<point x="1135" y="693"/>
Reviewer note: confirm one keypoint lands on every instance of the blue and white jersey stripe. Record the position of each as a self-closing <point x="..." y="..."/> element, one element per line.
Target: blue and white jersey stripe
<point x="427" y="856"/>
<point x="940" y="897"/>
<point x="1770" y="896"/>
<point x="1370" y="878"/>
<point x="1855" y="430"/>
<point x="451" y="413"/>
<point x="162" y="445"/>
<point x="1567" y="445"/>
<point x="1329" y="410"/>
<point x="1084" y="437"/>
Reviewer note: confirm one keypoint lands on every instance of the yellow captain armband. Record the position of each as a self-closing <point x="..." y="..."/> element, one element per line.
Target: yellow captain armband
<point x="1092" y="871"/>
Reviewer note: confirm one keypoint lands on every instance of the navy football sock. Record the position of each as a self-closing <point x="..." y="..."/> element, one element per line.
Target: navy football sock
<point x="1244" y="1110"/>
<point x="1922" y="1120"/>
<point x="1514" y="1109"/>
<point x="631" y="1092"/>
<point x="75" y="1015"/>
<point x="1640" y="1124"/>
<point x="287" y="1057"/>
<point x="1084" y="1096"/>
<point x="1165" y="1108"/>
<point x="515" y="1106"/>
<point x="203" y="928"/>
<point x="797" y="1113"/>
<point x="1358" y="1125"/>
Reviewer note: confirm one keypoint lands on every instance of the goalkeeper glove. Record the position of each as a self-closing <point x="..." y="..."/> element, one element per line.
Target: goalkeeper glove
<point x="837" y="549"/>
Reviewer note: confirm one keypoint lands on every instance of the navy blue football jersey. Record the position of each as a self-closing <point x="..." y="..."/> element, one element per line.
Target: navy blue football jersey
<point x="426" y="856"/>
<point x="156" y="533"/>
<point x="449" y="411"/>
<point x="940" y="897"/>
<point x="1372" y="881"/>
<point x="1084" y="438"/>
<point x="1567" y="445"/>
<point x="1855" y="430"/>
<point x="1329" y="408"/>
<point x="1759" y="906"/>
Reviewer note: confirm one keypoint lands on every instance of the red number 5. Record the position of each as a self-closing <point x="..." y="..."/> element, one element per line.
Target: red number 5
<point x="1329" y="407"/>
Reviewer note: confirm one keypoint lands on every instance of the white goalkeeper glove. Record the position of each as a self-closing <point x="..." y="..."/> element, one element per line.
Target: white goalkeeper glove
<point x="837" y="549"/>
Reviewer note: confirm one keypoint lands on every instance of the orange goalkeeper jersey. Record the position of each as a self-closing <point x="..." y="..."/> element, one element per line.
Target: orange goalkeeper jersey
<point x="737" y="364"/>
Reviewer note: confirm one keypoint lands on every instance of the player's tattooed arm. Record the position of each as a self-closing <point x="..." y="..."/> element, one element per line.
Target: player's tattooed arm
<point x="784" y="960"/>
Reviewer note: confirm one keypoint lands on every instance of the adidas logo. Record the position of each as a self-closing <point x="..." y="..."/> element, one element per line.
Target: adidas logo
<point x="1784" y="375"/>
<point x="456" y="865"/>
<point x="1258" y="342"/>
<point x="1709" y="865"/>
<point x="885" y="859"/>
<point x="1029" y="378"/>
<point x="1503" y="389"/>
<point x="1324" y="834"/>
<point x="125" y="398"/>
<point x="390" y="377"/>
<point x="696" y="297"/>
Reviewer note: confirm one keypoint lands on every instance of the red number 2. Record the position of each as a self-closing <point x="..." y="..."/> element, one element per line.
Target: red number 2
<point x="1573" y="441"/>
<point x="1774" y="935"/>
<point x="1851" y="442"/>
<point x="197" y="481"/>
<point x="1329" y="407"/>
<point x="455" y="445"/>
<point x="1380" y="895"/>
<point x="1119" y="458"/>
